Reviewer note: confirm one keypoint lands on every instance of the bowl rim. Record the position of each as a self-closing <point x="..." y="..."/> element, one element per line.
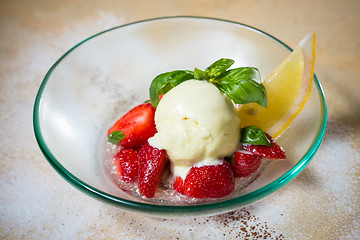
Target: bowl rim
<point x="151" y="208"/>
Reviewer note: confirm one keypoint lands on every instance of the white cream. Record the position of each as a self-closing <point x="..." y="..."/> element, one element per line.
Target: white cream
<point x="196" y="122"/>
<point x="181" y="171"/>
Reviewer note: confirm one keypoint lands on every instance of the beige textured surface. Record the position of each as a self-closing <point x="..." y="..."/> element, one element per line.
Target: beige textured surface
<point x="36" y="203"/>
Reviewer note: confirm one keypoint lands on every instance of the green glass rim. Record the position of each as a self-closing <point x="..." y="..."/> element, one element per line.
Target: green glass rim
<point x="150" y="208"/>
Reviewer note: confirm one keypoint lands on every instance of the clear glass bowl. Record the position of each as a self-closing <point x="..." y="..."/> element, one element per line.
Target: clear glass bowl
<point x="104" y="76"/>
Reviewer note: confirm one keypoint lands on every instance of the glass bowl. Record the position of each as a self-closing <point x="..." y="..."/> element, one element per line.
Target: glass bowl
<point x="101" y="78"/>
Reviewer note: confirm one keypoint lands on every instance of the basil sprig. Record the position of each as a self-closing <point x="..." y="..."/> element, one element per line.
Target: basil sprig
<point x="116" y="137"/>
<point x="254" y="135"/>
<point x="166" y="81"/>
<point x="218" y="67"/>
<point x="241" y="85"/>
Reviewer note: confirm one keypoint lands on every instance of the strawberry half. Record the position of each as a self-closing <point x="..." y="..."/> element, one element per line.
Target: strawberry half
<point x="209" y="181"/>
<point x="179" y="185"/>
<point x="126" y="164"/>
<point x="273" y="152"/>
<point x="152" y="162"/>
<point x="137" y="125"/>
<point x="245" y="164"/>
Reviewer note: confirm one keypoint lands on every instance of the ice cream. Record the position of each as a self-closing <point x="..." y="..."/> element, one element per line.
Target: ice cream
<point x="196" y="123"/>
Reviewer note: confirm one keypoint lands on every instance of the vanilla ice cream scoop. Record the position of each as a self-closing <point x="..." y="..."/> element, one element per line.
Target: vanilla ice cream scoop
<point x="196" y="122"/>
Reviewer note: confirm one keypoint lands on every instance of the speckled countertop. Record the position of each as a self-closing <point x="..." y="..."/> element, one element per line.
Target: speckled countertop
<point x="36" y="203"/>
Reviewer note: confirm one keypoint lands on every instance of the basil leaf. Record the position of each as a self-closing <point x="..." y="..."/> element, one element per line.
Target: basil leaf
<point x="115" y="137"/>
<point x="230" y="159"/>
<point x="218" y="67"/>
<point x="162" y="83"/>
<point x="200" y="74"/>
<point x="254" y="136"/>
<point x="242" y="86"/>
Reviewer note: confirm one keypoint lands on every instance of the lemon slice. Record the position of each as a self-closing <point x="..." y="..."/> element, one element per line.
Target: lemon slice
<point x="288" y="88"/>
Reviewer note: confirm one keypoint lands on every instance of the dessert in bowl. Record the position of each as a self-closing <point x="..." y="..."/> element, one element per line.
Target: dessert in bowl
<point x="108" y="74"/>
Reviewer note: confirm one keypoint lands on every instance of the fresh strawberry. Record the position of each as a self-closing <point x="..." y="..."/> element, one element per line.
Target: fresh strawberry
<point x="274" y="152"/>
<point x="137" y="125"/>
<point x="208" y="181"/>
<point x="152" y="162"/>
<point x="246" y="164"/>
<point x="179" y="185"/>
<point x="126" y="164"/>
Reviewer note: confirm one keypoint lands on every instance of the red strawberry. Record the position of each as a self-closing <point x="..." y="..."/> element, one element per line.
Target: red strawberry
<point x="152" y="162"/>
<point x="245" y="164"/>
<point x="274" y="152"/>
<point x="179" y="185"/>
<point x="209" y="181"/>
<point x="126" y="164"/>
<point x="137" y="125"/>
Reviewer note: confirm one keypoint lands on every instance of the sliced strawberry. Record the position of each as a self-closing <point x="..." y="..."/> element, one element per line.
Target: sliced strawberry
<point x="179" y="185"/>
<point x="161" y="96"/>
<point x="208" y="181"/>
<point x="126" y="164"/>
<point x="246" y="164"/>
<point x="274" y="152"/>
<point x="137" y="125"/>
<point x="152" y="162"/>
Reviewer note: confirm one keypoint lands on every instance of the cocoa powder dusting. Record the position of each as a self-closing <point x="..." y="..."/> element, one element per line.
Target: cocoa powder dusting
<point x="241" y="224"/>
